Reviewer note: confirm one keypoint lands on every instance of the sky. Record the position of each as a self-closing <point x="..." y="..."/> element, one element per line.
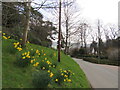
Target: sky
<point x="105" y="10"/>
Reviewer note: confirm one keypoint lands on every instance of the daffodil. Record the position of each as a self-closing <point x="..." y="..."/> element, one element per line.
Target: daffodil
<point x="64" y="80"/>
<point x="65" y="75"/>
<point x="23" y="57"/>
<point x="3" y="33"/>
<point x="53" y="65"/>
<point x="28" y="52"/>
<point x="17" y="43"/>
<point x="4" y="37"/>
<point x="28" y="42"/>
<point x="19" y="49"/>
<point x="23" y="54"/>
<point x="37" y="63"/>
<point x="62" y="74"/>
<point x="48" y="71"/>
<point x="37" y="51"/>
<point x="21" y="39"/>
<point x="8" y="37"/>
<point x="34" y="65"/>
<point x="48" y="62"/>
<point x="31" y="61"/>
<point x="43" y="68"/>
<point x="34" y="59"/>
<point x="65" y="71"/>
<point x="69" y="80"/>
<point x="45" y="58"/>
<point x="44" y="54"/>
<point x="51" y="74"/>
<point x="27" y="56"/>
<point x="56" y="80"/>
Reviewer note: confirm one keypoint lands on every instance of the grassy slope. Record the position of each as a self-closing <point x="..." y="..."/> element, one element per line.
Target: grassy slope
<point x="17" y="77"/>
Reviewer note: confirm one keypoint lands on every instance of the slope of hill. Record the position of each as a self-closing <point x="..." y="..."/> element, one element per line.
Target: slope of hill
<point x="14" y="76"/>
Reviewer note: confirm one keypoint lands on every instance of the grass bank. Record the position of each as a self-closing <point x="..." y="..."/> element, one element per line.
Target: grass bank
<point x="19" y="77"/>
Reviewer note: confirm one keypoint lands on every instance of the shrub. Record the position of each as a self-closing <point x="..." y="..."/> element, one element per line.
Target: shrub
<point x="41" y="79"/>
<point x="82" y="52"/>
<point x="74" y="52"/>
<point x="101" y="61"/>
<point x="103" y="57"/>
<point x="113" y="54"/>
<point x="91" y="59"/>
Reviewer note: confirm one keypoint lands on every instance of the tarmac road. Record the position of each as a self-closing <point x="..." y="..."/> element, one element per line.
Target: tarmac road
<point x="100" y="76"/>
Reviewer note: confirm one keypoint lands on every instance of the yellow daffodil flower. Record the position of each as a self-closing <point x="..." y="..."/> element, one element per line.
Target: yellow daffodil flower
<point x="64" y="80"/>
<point x="23" y="54"/>
<point x="65" y="71"/>
<point x="43" y="68"/>
<point x="51" y="74"/>
<point x="37" y="51"/>
<point x="62" y="74"/>
<point x="31" y="61"/>
<point x="4" y="37"/>
<point x="37" y="63"/>
<point x="53" y="65"/>
<point x="21" y="39"/>
<point x="56" y="80"/>
<point x="48" y="71"/>
<point x="28" y="42"/>
<point x="8" y="37"/>
<point x="69" y="80"/>
<point x="23" y="57"/>
<point x="65" y="75"/>
<point x="3" y="33"/>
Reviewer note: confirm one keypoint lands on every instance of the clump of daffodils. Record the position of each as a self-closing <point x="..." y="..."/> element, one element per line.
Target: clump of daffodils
<point x="5" y="37"/>
<point x="17" y="46"/>
<point x="26" y="55"/>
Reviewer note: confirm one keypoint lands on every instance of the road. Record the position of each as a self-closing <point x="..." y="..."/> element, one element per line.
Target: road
<point x="100" y="76"/>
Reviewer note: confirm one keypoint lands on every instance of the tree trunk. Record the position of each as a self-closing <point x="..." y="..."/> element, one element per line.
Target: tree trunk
<point x="26" y="28"/>
<point x="66" y="47"/>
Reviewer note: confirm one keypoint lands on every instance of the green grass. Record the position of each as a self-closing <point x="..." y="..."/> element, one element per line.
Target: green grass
<point x="16" y="77"/>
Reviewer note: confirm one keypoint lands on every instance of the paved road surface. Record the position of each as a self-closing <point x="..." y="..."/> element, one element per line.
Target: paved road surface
<point x="100" y="76"/>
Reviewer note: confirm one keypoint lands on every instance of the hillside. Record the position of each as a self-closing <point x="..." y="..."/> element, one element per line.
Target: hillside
<point x="14" y="76"/>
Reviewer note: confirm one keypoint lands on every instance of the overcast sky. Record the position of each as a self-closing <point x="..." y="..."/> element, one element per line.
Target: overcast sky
<point x="106" y="10"/>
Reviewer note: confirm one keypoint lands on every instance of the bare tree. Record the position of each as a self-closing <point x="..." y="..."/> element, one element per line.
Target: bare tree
<point x="26" y="28"/>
